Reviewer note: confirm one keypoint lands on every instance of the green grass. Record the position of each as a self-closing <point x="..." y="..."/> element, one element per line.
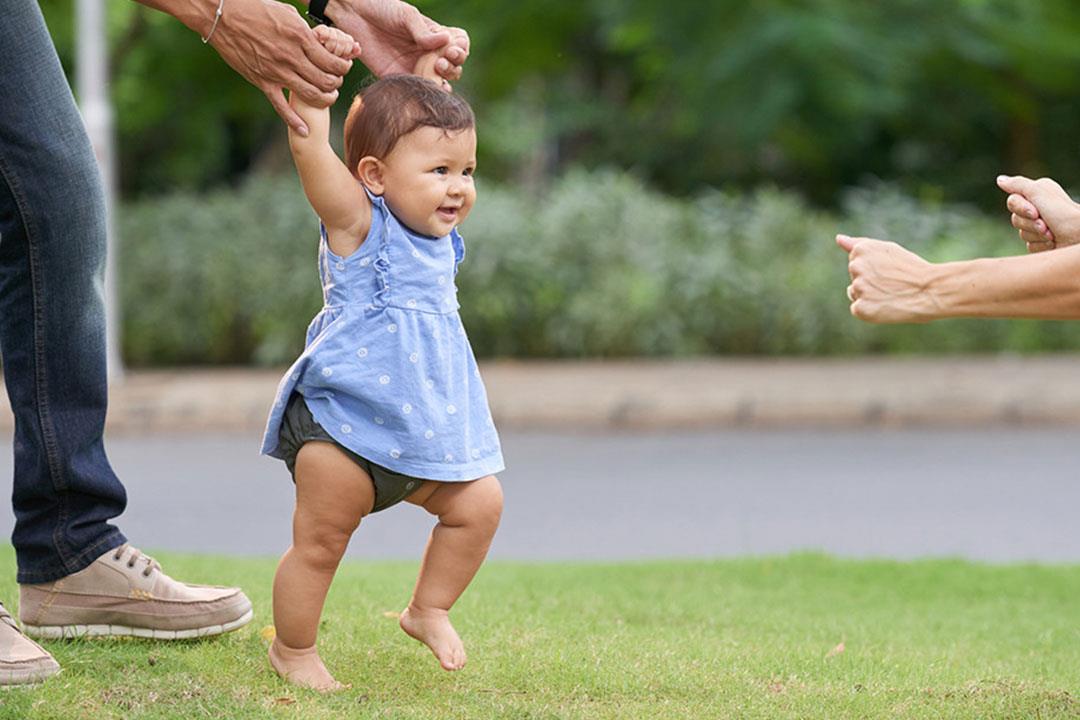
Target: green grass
<point x="747" y="638"/>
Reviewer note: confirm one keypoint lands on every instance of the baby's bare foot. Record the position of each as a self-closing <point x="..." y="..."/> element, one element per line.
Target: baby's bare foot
<point x="302" y="667"/>
<point x="433" y="628"/>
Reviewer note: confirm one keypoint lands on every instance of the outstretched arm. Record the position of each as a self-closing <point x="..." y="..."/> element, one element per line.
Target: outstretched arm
<point x="337" y="197"/>
<point x="892" y="285"/>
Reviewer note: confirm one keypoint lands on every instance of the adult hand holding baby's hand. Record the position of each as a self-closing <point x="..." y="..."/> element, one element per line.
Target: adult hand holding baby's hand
<point x="395" y="36"/>
<point x="269" y="44"/>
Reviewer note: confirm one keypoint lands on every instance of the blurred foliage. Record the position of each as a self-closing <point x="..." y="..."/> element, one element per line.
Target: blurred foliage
<point x="810" y="95"/>
<point x="599" y="265"/>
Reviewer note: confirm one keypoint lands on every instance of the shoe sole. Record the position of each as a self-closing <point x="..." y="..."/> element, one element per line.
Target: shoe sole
<point x="13" y="679"/>
<point x="67" y="632"/>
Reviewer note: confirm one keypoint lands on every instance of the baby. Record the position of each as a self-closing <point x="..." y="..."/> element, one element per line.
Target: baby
<point x="386" y="403"/>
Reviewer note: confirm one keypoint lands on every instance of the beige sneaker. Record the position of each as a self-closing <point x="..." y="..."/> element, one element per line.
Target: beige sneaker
<point x="22" y="661"/>
<point x="124" y="592"/>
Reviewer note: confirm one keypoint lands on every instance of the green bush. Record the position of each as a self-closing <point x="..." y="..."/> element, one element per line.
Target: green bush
<point x="597" y="266"/>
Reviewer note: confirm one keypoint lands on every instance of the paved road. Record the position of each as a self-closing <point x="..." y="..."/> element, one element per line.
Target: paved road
<point x="997" y="495"/>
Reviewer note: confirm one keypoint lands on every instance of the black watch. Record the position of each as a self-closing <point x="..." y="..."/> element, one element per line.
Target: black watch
<point x="317" y="12"/>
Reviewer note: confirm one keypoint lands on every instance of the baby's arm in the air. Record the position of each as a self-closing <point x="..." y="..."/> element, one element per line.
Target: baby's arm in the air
<point x="336" y="195"/>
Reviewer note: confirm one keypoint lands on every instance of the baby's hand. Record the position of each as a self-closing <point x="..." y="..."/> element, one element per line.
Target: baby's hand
<point x="337" y="42"/>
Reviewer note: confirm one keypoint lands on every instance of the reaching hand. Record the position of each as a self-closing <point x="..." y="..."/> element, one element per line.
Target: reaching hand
<point x="395" y="36"/>
<point x="272" y="47"/>
<point x="1043" y="213"/>
<point x="888" y="283"/>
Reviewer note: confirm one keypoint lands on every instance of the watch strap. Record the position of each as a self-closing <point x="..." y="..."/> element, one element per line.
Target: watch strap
<point x="317" y="12"/>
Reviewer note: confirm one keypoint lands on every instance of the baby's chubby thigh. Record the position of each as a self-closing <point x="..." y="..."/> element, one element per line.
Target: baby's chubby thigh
<point x="332" y="495"/>
<point x="473" y="502"/>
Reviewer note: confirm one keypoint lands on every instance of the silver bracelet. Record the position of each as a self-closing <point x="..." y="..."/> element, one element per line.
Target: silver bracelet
<point x="217" y="16"/>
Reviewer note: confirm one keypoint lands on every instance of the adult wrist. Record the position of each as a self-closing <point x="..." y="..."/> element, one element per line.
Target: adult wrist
<point x="942" y="291"/>
<point x="337" y="10"/>
<point x="1070" y="233"/>
<point x="317" y="12"/>
<point x="196" y="15"/>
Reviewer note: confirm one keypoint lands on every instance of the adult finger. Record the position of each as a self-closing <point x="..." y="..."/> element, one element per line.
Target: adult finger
<point x="460" y="38"/>
<point x="1036" y="227"/>
<point x="847" y="243"/>
<point x="286" y="113"/>
<point x="1040" y="246"/>
<point x="447" y="70"/>
<point x="858" y="309"/>
<point x="1020" y="205"/>
<point x="309" y="93"/>
<point x="427" y="34"/>
<point x="313" y="73"/>
<point x="1016" y="184"/>
<point x="456" y="54"/>
<point x="1034" y="237"/>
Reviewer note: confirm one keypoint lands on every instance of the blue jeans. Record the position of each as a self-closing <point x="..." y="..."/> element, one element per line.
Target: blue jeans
<point x="52" y="317"/>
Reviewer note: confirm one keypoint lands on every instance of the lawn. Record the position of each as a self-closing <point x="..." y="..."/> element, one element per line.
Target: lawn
<point x="804" y="636"/>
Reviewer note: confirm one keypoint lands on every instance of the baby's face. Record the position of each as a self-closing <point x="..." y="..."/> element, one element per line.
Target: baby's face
<point x="428" y="179"/>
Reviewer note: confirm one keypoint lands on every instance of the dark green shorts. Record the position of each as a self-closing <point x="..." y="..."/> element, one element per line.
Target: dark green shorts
<point x="299" y="427"/>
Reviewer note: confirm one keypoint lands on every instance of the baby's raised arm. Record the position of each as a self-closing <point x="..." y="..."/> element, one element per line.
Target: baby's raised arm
<point x="336" y="195"/>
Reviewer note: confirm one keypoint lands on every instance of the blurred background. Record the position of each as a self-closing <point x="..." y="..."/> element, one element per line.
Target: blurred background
<point x="658" y="178"/>
<point x="660" y="183"/>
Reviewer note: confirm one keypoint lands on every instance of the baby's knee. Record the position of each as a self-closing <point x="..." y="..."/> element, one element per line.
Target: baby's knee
<point x="322" y="547"/>
<point x="485" y="502"/>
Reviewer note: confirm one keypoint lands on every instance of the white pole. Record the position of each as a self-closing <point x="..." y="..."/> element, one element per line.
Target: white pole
<point x="92" y="82"/>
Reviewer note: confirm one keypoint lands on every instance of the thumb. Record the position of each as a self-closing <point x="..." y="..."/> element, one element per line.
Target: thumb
<point x="846" y="243"/>
<point x="427" y="35"/>
<point x="1016" y="184"/>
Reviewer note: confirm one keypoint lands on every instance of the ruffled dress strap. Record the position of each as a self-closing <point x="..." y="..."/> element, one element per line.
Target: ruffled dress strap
<point x="381" y="224"/>
<point x="459" y="248"/>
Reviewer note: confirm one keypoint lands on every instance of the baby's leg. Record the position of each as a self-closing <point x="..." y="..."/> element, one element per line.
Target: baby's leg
<point x="468" y="516"/>
<point x="332" y="495"/>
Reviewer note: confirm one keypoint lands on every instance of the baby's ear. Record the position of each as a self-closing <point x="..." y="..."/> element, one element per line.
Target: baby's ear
<point x="370" y="172"/>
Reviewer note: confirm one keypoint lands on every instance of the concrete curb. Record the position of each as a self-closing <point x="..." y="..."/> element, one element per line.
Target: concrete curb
<point x="665" y="394"/>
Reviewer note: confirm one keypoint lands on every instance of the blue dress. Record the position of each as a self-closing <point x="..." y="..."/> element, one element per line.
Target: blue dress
<point x="387" y="369"/>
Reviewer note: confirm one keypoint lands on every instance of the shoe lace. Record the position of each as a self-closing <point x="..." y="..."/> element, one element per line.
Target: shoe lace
<point x="135" y="557"/>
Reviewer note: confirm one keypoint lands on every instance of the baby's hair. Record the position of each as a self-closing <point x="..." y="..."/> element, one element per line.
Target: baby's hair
<point x="394" y="106"/>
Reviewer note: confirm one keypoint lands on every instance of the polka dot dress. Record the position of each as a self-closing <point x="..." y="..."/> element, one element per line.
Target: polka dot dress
<point x="387" y="369"/>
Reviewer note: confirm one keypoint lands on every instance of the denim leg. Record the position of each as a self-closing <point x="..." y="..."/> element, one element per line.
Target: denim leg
<point x="52" y="318"/>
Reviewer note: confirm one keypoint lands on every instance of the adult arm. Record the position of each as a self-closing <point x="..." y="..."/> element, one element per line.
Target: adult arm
<point x="892" y="285"/>
<point x="270" y="45"/>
